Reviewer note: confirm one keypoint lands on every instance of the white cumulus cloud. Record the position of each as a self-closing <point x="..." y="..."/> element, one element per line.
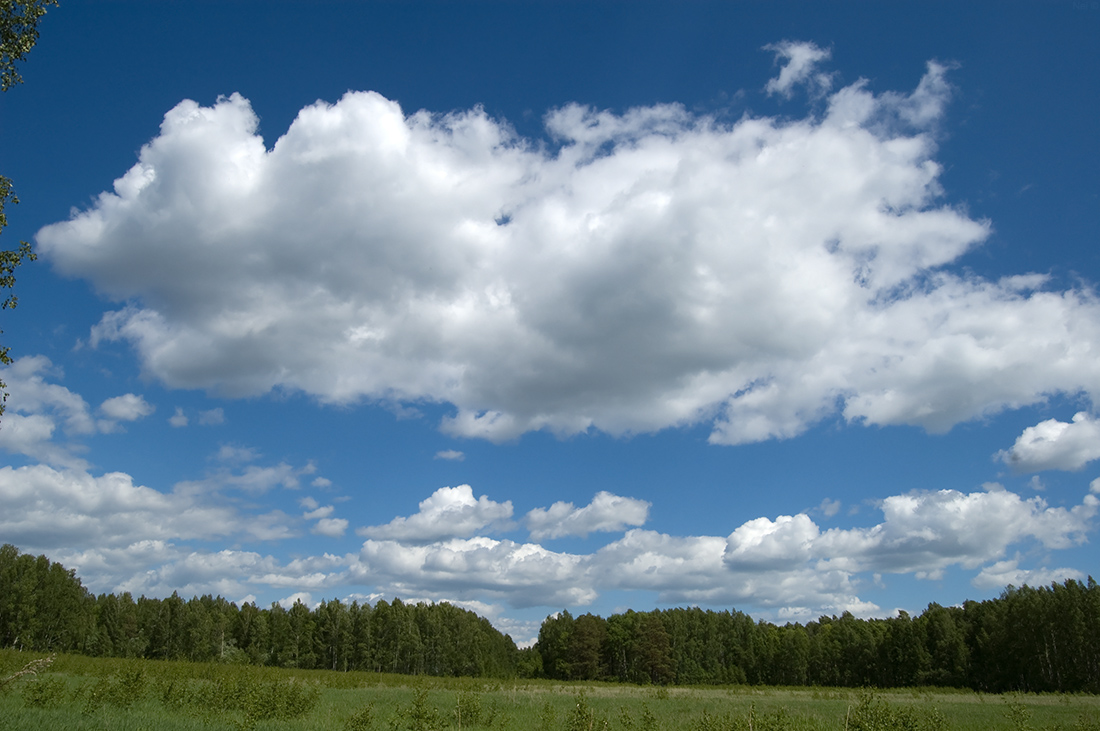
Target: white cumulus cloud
<point x="925" y="532"/>
<point x="606" y="512"/>
<point x="450" y="512"/>
<point x="128" y="407"/>
<point x="634" y="272"/>
<point x="38" y="409"/>
<point x="316" y="513"/>
<point x="763" y="543"/>
<point x="524" y="574"/>
<point x="1055" y="445"/>
<point x="44" y="507"/>
<point x="331" y="527"/>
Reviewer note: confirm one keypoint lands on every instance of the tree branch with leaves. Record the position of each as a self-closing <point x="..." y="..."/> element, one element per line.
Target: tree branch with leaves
<point x="18" y="34"/>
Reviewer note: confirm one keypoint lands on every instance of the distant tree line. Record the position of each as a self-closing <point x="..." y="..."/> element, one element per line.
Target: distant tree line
<point x="1034" y="640"/>
<point x="44" y="607"/>
<point x="1028" y="639"/>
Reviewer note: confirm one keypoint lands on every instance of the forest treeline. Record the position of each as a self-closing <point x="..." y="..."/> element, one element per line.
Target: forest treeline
<point x="44" y="607"/>
<point x="1028" y="639"/>
<point x="1045" y="639"/>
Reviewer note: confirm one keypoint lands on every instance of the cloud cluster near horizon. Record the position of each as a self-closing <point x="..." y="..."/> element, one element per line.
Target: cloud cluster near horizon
<point x="633" y="272"/>
<point x="469" y="549"/>
<point x="125" y="537"/>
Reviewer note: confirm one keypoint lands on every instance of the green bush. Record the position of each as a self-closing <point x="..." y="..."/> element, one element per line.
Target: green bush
<point x="582" y="717"/>
<point x="706" y="722"/>
<point x="121" y="690"/>
<point x="875" y="714"/>
<point x="44" y="692"/>
<point x="418" y="716"/>
<point x="1086" y="723"/>
<point x="361" y="720"/>
<point x="468" y="708"/>
<point x="246" y="697"/>
<point x="648" y="721"/>
<point x="547" y="717"/>
<point x="780" y="719"/>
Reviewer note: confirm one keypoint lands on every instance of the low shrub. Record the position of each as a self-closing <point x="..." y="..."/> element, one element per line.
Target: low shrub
<point x="246" y="697"/>
<point x="44" y="692"/>
<point x="418" y="715"/>
<point x="875" y="714"/>
<point x="121" y="690"/>
<point x="361" y="720"/>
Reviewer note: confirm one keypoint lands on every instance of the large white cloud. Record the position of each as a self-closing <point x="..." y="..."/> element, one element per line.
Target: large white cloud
<point x="637" y="271"/>
<point x="764" y="543"/>
<point x="923" y="533"/>
<point x="45" y="507"/>
<point x="1055" y="445"/>
<point x="523" y="574"/>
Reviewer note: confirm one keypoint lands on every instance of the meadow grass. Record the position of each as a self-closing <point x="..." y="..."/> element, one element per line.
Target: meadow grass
<point x="77" y="692"/>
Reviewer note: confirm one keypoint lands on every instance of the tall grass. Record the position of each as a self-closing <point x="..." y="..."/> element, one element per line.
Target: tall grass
<point x="85" y="693"/>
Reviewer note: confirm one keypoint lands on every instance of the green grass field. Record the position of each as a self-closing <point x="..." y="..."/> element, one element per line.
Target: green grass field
<point x="83" y="693"/>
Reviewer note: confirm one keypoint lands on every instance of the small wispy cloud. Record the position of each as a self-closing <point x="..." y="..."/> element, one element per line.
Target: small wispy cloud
<point x="178" y="419"/>
<point x="829" y="508"/>
<point x="213" y="417"/>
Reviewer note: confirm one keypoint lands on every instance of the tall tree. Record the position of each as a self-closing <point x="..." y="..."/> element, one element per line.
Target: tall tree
<point x="792" y="657"/>
<point x="553" y="644"/>
<point x="301" y="636"/>
<point x="18" y="34"/>
<point x="946" y="640"/>
<point x="622" y="645"/>
<point x="361" y="638"/>
<point x="278" y="636"/>
<point x="585" y="647"/>
<point x="654" y="650"/>
<point x="332" y="636"/>
<point x="249" y="632"/>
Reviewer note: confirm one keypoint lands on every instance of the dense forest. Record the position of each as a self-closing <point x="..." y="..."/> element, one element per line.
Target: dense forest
<point x="44" y="607"/>
<point x="1045" y="639"/>
<point x="1028" y="639"/>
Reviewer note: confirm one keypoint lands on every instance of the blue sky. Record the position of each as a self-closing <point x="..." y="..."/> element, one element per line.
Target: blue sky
<point x="531" y="306"/>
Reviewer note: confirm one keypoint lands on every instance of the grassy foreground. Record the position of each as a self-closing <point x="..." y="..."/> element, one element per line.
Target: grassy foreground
<point x="75" y="692"/>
